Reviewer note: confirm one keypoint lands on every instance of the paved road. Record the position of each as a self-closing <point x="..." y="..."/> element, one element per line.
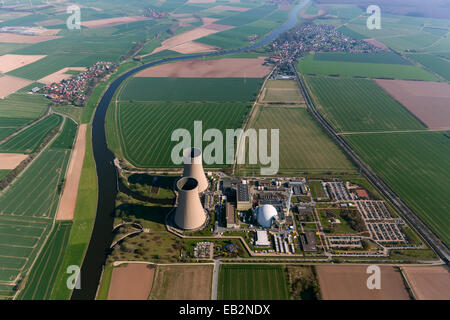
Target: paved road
<point x="215" y="279"/>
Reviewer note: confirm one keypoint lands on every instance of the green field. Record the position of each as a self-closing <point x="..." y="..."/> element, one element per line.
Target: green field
<point x="359" y="105"/>
<point x="67" y="136"/>
<point x="29" y="139"/>
<point x="145" y="128"/>
<point x="36" y="191"/>
<point x="20" y="240"/>
<point x="252" y="282"/>
<point x="379" y="57"/>
<point x="310" y="65"/>
<point x="191" y="89"/>
<point x="435" y="64"/>
<point x="415" y="165"/>
<point x="84" y="217"/>
<point x="249" y="16"/>
<point x="42" y="276"/>
<point x="22" y="107"/>
<point x="303" y="145"/>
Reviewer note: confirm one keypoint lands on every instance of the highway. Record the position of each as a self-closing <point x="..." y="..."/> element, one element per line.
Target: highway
<point x="414" y="221"/>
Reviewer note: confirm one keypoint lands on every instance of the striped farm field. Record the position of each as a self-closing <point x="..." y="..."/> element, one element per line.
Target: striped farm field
<point x="22" y="108"/>
<point x="145" y="128"/>
<point x="416" y="166"/>
<point x="303" y="144"/>
<point x="40" y="281"/>
<point x="29" y="139"/>
<point x="435" y="64"/>
<point x="67" y="136"/>
<point x="359" y="105"/>
<point x="378" y="57"/>
<point x="191" y="89"/>
<point x="252" y="282"/>
<point x="20" y="241"/>
<point x="374" y="69"/>
<point x="36" y="191"/>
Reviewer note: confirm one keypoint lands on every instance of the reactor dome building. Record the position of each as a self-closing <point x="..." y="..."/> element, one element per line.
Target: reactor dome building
<point x="189" y="214"/>
<point x="193" y="167"/>
<point x="265" y="215"/>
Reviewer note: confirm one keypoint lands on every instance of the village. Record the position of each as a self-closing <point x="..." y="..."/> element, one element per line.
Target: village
<point x="309" y="37"/>
<point x="76" y="89"/>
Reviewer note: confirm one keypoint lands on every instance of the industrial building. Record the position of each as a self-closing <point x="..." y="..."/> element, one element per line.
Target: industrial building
<point x="230" y="216"/>
<point x="243" y="199"/>
<point x="262" y="239"/>
<point x="265" y="215"/>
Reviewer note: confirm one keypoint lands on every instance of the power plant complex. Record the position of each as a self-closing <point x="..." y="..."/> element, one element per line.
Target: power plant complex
<point x="190" y="213"/>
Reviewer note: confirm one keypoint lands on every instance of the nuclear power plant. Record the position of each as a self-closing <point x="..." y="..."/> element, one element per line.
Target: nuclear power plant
<point x="193" y="167"/>
<point x="190" y="213"/>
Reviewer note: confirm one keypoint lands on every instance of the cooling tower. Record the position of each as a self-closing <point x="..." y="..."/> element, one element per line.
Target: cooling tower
<point x="189" y="214"/>
<point x="193" y="167"/>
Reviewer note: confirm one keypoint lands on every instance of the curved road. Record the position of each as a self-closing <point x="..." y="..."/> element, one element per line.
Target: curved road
<point x="107" y="174"/>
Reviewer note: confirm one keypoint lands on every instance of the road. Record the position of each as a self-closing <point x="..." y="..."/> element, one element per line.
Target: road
<point x="414" y="221"/>
<point x="215" y="279"/>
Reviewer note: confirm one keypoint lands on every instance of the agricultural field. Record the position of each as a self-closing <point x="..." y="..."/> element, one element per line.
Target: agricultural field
<point x="191" y="89"/>
<point x="378" y="57"/>
<point x="435" y="64"/>
<point x="22" y="108"/>
<point x="40" y="281"/>
<point x="286" y="91"/>
<point x="428" y="101"/>
<point x="28" y="140"/>
<point x="182" y="283"/>
<point x="132" y="281"/>
<point x="415" y="165"/>
<point x="350" y="283"/>
<point x="252" y="282"/>
<point x="42" y="182"/>
<point x="303" y="145"/>
<point x="343" y="68"/>
<point x="150" y="146"/>
<point x="20" y="241"/>
<point x="249" y="16"/>
<point x="359" y="105"/>
<point x="66" y="138"/>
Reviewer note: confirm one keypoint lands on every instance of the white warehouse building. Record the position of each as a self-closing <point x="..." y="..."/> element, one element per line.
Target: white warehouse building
<point x="265" y="215"/>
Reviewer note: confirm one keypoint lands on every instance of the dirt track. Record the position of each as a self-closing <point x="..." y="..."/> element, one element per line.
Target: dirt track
<point x="68" y="201"/>
<point x="9" y="84"/>
<point x="429" y="283"/>
<point x="428" y="101"/>
<point x="221" y="68"/>
<point x="131" y="282"/>
<point x="9" y="62"/>
<point x="9" y="161"/>
<point x="350" y="283"/>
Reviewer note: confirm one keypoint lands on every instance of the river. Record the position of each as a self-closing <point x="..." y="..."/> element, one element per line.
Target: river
<point x="101" y="237"/>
